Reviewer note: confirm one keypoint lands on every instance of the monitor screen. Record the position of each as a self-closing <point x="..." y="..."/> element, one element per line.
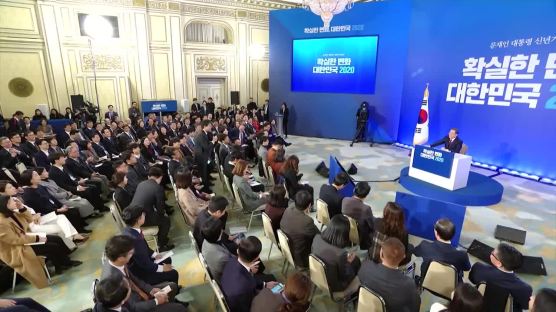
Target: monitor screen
<point x="335" y="65"/>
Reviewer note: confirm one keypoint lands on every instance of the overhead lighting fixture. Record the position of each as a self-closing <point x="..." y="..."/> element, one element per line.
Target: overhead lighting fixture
<point x="98" y="27"/>
<point x="256" y="51"/>
<point x="326" y="9"/>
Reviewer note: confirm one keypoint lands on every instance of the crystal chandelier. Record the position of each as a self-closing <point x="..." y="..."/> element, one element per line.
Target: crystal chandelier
<point x="326" y="9"/>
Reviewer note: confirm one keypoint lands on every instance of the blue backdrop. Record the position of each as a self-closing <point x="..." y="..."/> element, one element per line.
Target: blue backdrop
<point x="332" y="115"/>
<point x="505" y="107"/>
<point x="446" y="33"/>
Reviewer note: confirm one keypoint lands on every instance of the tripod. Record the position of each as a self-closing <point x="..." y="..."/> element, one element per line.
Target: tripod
<point x="360" y="132"/>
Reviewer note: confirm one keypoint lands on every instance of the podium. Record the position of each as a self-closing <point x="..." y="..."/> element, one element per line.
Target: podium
<point x="279" y="123"/>
<point x="440" y="167"/>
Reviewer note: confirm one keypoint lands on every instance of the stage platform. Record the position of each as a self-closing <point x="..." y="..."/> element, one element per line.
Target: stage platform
<point x="481" y="190"/>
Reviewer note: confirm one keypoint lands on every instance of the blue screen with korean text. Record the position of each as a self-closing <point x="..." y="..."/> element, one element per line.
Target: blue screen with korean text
<point x="335" y="65"/>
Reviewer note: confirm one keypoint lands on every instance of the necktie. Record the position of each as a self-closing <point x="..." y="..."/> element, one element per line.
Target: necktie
<point x="134" y="286"/>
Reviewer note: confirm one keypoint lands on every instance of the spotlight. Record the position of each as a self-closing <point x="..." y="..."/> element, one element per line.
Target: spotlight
<point x="256" y="51"/>
<point x="98" y="27"/>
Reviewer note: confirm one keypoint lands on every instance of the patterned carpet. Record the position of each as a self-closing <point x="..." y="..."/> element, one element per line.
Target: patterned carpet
<point x="527" y="205"/>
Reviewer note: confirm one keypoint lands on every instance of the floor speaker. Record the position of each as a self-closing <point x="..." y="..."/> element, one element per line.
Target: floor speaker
<point x="77" y="102"/>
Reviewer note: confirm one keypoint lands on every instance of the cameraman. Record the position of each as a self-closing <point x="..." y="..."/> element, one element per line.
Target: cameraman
<point x="362" y="117"/>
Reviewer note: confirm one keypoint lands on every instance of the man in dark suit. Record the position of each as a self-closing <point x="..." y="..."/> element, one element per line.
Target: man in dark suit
<point x="195" y="107"/>
<point x="30" y="146"/>
<point x="150" y="195"/>
<point x="177" y="162"/>
<point x="441" y="249"/>
<point x="300" y="228"/>
<point x="210" y="107"/>
<point x="224" y="149"/>
<point x="79" y="168"/>
<point x="99" y="148"/>
<point x="216" y="210"/>
<point x="89" y="130"/>
<point x="64" y="137"/>
<point x="203" y="148"/>
<point x="108" y="142"/>
<point x="16" y="124"/>
<point x="142" y="262"/>
<point x="504" y="259"/>
<point x="41" y="157"/>
<point x="144" y="297"/>
<point x="398" y="291"/>
<point x="355" y="207"/>
<point x="111" y="114"/>
<point x="451" y="142"/>
<point x="133" y="175"/>
<point x="125" y="138"/>
<point x="8" y="154"/>
<point x="112" y="294"/>
<point x="330" y="194"/>
<point x="21" y="156"/>
<point x="237" y="282"/>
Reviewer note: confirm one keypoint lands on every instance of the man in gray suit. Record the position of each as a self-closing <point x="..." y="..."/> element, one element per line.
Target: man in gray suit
<point x="216" y="254"/>
<point x="202" y="149"/>
<point x="144" y="297"/>
<point x="355" y="207"/>
<point x="150" y="196"/>
<point x="300" y="228"/>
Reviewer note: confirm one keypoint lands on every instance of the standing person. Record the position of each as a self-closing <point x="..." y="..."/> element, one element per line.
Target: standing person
<point x="210" y="107"/>
<point x="355" y="207"/>
<point x="203" y="148"/>
<point x="284" y="110"/>
<point x="111" y="114"/>
<point x="133" y="112"/>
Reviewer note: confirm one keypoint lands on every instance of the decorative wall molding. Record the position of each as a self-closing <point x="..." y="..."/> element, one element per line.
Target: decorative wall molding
<point x="104" y="62"/>
<point x="213" y="64"/>
<point x="206" y="10"/>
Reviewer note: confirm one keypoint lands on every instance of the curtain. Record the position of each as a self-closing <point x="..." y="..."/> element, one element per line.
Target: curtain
<point x="207" y="33"/>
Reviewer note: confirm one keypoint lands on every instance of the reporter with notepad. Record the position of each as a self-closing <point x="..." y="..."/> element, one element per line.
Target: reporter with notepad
<point x="250" y="199"/>
<point x="51" y="224"/>
<point x="15" y="248"/>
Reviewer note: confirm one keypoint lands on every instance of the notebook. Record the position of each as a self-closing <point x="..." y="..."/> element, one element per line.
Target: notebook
<point x="510" y="234"/>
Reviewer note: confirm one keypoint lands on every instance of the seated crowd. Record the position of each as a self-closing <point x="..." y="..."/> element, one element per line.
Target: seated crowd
<point x="52" y="184"/>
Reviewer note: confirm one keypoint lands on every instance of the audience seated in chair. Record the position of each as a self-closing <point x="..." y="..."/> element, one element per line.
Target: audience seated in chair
<point x="14" y="248"/>
<point x="250" y="199"/>
<point x="238" y="283"/>
<point x="142" y="262"/>
<point x="355" y="207"/>
<point x="441" y="249"/>
<point x="191" y="204"/>
<point x="398" y="291"/>
<point x="112" y="294"/>
<point x="330" y="194"/>
<point x="21" y="305"/>
<point x="276" y="206"/>
<point x="144" y="297"/>
<point x="292" y="177"/>
<point x="294" y="297"/>
<point x="217" y="210"/>
<point x="300" y="228"/>
<point x="341" y="266"/>
<point x="275" y="157"/>
<point x="392" y="224"/>
<point x="504" y="259"/>
<point x="465" y="298"/>
<point x="150" y="196"/>
<point x="215" y="252"/>
<point x="122" y="195"/>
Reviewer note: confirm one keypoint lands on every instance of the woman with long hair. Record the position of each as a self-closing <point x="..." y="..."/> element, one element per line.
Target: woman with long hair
<point x="277" y="204"/>
<point x="294" y="297"/>
<point x="45" y="127"/>
<point x="466" y="298"/>
<point x="342" y="266"/>
<point x="290" y="172"/>
<point x="54" y="114"/>
<point x="392" y="224"/>
<point x="242" y="178"/>
<point x="19" y="247"/>
<point x="544" y="301"/>
<point x="122" y="196"/>
<point x="191" y="204"/>
<point x="38" y="115"/>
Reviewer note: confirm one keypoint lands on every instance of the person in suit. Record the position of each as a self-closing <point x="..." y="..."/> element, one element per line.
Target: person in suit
<point x="20" y="155"/>
<point x="238" y="283"/>
<point x="330" y="194"/>
<point x="125" y="138"/>
<point x="276" y="206"/>
<point x="121" y="194"/>
<point x="41" y="157"/>
<point x="30" y="146"/>
<point x="284" y="110"/>
<point x="21" y="305"/>
<point x="215" y="252"/>
<point x="465" y="297"/>
<point x="133" y="112"/>
<point x="15" y="124"/>
<point x="249" y="198"/>
<point x="451" y="142"/>
<point x="191" y="204"/>
<point x="290" y="172"/>
<point x="15" y="250"/>
<point x="441" y="249"/>
<point x="142" y="262"/>
<point x="275" y="156"/>
<point x="77" y="187"/>
<point x="79" y="168"/>
<point x="398" y="291"/>
<point x="150" y="195"/>
<point x="8" y="154"/>
<point x="391" y="224"/>
<point x="203" y="148"/>
<point x="342" y="266"/>
<point x="224" y="149"/>
<point x="64" y="136"/>
<point x="295" y="296"/>
<point x="108" y="142"/>
<point x="98" y="147"/>
<point x="504" y="259"/>
<point x="265" y="111"/>
<point x="177" y="162"/>
<point x="210" y="107"/>
<point x="111" y="114"/>
<point x="300" y="228"/>
<point x="111" y="294"/>
<point x="355" y="207"/>
<point x="217" y="210"/>
<point x="134" y="173"/>
<point x="195" y="106"/>
<point x="144" y="297"/>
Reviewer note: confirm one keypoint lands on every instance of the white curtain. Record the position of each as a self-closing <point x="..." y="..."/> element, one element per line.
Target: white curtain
<point x="207" y="33"/>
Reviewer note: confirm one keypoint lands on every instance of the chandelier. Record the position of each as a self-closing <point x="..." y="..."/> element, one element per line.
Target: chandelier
<point x="326" y="9"/>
